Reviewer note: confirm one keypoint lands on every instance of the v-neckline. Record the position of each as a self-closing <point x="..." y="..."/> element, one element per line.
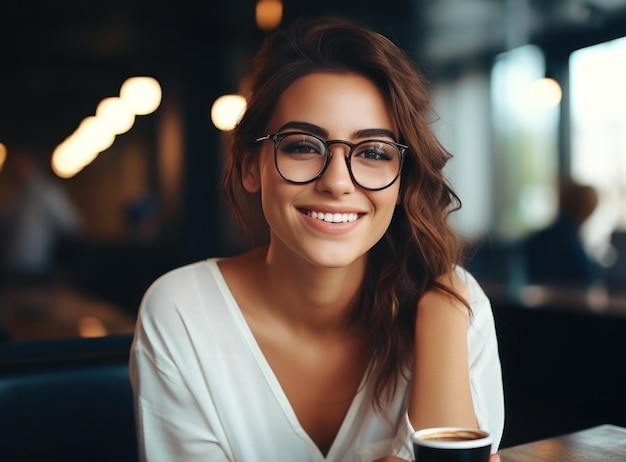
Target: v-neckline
<point x="274" y="383"/>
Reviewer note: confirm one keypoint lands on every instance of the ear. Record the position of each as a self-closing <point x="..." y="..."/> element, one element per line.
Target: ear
<point x="250" y="173"/>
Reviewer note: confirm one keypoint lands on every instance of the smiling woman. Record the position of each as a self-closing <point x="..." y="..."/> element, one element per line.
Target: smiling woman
<point x="327" y="177"/>
<point x="356" y="323"/>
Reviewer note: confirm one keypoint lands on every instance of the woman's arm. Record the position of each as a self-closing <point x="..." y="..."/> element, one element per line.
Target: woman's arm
<point x="446" y="345"/>
<point x="440" y="388"/>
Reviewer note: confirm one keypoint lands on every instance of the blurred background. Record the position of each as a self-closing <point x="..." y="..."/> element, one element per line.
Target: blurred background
<point x="112" y="144"/>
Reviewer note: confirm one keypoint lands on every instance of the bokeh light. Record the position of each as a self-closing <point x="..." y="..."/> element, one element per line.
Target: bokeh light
<point x="3" y="155"/>
<point x="115" y="115"/>
<point x="90" y="326"/>
<point x="545" y="93"/>
<point x="227" y="110"/>
<point x="82" y="147"/>
<point x="142" y="94"/>
<point x="269" y="14"/>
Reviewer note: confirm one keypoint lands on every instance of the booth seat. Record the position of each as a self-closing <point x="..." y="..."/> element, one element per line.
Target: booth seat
<point x="67" y="400"/>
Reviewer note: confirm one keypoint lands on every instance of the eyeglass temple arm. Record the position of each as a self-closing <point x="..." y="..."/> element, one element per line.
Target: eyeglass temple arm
<point x="263" y="138"/>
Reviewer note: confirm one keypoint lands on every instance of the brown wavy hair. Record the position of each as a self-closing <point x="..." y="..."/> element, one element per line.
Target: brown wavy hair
<point x="419" y="245"/>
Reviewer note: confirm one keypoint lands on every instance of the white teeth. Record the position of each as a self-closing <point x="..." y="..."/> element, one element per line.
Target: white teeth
<point x="333" y="217"/>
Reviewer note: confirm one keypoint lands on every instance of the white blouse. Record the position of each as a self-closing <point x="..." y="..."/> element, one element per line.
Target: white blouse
<point x="205" y="392"/>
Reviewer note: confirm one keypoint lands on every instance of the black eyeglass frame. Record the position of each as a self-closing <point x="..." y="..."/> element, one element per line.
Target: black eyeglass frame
<point x="278" y="137"/>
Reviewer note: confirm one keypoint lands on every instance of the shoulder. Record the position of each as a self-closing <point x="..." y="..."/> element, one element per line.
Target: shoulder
<point x="463" y="283"/>
<point x="181" y="277"/>
<point x="442" y="311"/>
<point x="474" y="293"/>
<point x="481" y="312"/>
<point x="453" y="288"/>
<point x="182" y="306"/>
<point x="180" y="287"/>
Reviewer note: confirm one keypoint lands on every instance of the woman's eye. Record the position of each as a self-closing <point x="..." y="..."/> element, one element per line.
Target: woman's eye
<point x="301" y="148"/>
<point x="306" y="148"/>
<point x="373" y="153"/>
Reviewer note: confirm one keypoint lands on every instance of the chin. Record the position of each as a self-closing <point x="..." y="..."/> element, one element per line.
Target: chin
<point x="334" y="259"/>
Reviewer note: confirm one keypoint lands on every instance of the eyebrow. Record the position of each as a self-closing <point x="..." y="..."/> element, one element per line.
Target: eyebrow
<point x="323" y="133"/>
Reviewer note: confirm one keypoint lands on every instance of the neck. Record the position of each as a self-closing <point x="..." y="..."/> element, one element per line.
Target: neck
<point x="314" y="298"/>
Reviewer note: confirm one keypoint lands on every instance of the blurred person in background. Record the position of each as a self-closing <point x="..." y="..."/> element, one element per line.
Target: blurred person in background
<point x="556" y="255"/>
<point x="38" y="217"/>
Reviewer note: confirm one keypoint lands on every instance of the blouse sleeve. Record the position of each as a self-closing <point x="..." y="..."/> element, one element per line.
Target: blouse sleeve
<point x="484" y="364"/>
<point x="402" y="446"/>
<point x="171" y="424"/>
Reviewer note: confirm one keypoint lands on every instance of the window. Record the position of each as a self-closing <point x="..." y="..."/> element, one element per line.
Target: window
<point x="525" y="124"/>
<point x="598" y="135"/>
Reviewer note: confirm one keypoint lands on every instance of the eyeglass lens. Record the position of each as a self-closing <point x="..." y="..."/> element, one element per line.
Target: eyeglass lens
<point x="300" y="158"/>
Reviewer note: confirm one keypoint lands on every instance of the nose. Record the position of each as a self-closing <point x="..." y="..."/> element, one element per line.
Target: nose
<point x="336" y="179"/>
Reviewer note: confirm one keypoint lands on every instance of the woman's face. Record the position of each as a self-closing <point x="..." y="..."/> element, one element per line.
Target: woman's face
<point x="332" y="106"/>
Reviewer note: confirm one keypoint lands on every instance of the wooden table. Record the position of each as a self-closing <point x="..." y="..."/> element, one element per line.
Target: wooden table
<point x="604" y="443"/>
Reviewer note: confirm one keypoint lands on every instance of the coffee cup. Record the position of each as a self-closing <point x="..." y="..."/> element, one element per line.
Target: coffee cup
<point x="451" y="444"/>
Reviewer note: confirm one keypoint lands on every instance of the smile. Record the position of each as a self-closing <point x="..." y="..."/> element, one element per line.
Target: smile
<point x="332" y="217"/>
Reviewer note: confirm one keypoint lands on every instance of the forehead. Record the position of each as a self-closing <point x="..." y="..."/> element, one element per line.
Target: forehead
<point x="336" y="102"/>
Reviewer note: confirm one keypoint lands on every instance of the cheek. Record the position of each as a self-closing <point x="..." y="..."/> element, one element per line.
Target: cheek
<point x="275" y="192"/>
<point x="386" y="205"/>
<point x="392" y="197"/>
<point x="268" y="174"/>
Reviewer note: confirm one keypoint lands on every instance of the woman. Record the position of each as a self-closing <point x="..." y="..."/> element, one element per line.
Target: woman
<point x="355" y="324"/>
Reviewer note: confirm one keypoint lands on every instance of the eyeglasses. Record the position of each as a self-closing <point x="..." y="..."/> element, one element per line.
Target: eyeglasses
<point x="301" y="158"/>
